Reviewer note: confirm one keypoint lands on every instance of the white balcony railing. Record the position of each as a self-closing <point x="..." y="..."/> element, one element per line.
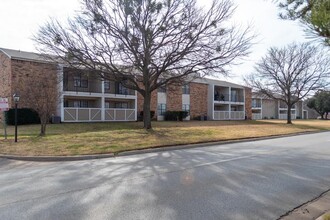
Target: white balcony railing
<point x="237" y="115"/>
<point x="82" y="114"/>
<point x="118" y="114"/>
<point x="229" y="115"/>
<point x="285" y="116"/>
<point x="256" y="116"/>
<point x="95" y="114"/>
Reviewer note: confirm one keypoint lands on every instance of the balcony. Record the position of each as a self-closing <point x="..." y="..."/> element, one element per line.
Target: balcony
<point x="256" y="103"/>
<point x="95" y="114"/>
<point x="285" y="116"/>
<point x="237" y="98"/>
<point x="114" y="114"/>
<point x="229" y="115"/>
<point x="221" y="97"/>
<point x="86" y="85"/>
<point x="256" y="116"/>
<point x="115" y="88"/>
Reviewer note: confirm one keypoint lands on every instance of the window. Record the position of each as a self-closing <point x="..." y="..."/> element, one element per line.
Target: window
<point x="256" y="103"/>
<point x="106" y="84"/>
<point x="186" y="89"/>
<point x="186" y="107"/>
<point x="162" y="89"/>
<point x="80" y="81"/>
<point x="161" y="109"/>
<point x="80" y="104"/>
<point x="122" y="89"/>
<point x="107" y="105"/>
<point x="121" y="105"/>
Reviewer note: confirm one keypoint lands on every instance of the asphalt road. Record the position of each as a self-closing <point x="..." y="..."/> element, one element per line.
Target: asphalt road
<point x="251" y="180"/>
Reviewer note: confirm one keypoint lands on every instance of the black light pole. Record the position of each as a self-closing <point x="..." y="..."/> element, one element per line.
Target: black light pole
<point x="16" y="100"/>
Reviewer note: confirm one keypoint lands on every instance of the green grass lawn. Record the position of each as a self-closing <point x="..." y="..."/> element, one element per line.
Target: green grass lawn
<point x="112" y="137"/>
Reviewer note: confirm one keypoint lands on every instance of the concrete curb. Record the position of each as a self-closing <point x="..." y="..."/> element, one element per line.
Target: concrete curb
<point x="148" y="150"/>
<point x="208" y="144"/>
<point x="313" y="209"/>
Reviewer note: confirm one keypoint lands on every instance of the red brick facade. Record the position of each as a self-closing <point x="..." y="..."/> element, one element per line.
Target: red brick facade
<point x="5" y="77"/>
<point x="248" y="103"/>
<point x="174" y="98"/>
<point x="153" y="104"/>
<point x="23" y="72"/>
<point x="198" y="99"/>
<point x="19" y="76"/>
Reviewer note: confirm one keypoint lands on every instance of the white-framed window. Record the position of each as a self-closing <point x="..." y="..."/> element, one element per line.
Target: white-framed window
<point x="186" y="107"/>
<point x="107" y="84"/>
<point x="161" y="109"/>
<point x="107" y="104"/>
<point x="186" y="89"/>
<point x="162" y="88"/>
<point x="79" y="81"/>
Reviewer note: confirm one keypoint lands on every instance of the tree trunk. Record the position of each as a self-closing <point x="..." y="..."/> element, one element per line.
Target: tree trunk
<point x="43" y="123"/>
<point x="146" y="111"/>
<point x="289" y="120"/>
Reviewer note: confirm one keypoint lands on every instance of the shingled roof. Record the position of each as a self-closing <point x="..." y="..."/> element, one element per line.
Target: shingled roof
<point x="23" y="55"/>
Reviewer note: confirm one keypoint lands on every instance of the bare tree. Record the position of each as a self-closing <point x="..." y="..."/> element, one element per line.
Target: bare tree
<point x="289" y="74"/>
<point x="145" y="44"/>
<point x="41" y="94"/>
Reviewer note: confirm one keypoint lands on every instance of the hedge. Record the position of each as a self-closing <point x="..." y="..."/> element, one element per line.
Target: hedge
<point x="175" y="115"/>
<point x="24" y="116"/>
<point x="140" y="117"/>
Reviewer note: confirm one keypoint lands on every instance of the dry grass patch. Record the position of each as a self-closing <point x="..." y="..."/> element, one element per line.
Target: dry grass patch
<point x="96" y="138"/>
<point x="312" y="123"/>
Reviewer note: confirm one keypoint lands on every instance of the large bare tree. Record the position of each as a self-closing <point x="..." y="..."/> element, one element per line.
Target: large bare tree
<point x="146" y="44"/>
<point x="290" y="73"/>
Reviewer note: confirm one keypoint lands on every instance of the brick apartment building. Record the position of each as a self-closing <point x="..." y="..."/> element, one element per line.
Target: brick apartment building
<point x="84" y="98"/>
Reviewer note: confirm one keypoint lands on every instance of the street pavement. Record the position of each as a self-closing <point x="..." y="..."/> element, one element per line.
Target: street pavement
<point x="248" y="180"/>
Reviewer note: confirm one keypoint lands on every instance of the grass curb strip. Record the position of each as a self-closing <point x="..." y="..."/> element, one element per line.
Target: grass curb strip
<point x="147" y="150"/>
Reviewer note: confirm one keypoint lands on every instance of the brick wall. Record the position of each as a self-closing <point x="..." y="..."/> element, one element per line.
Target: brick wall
<point x="198" y="99"/>
<point x="26" y="74"/>
<point x="5" y="79"/>
<point x="5" y="76"/>
<point x="153" y="104"/>
<point x="248" y="103"/>
<point x="174" y="98"/>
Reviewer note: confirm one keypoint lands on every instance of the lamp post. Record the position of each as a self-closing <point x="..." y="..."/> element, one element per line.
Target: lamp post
<point x="16" y="100"/>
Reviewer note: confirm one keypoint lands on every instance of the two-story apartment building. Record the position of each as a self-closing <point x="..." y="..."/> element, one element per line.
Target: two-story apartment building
<point x="205" y="99"/>
<point x="267" y="108"/>
<point x="84" y="97"/>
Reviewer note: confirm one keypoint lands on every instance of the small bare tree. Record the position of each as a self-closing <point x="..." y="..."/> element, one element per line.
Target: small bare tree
<point x="146" y="44"/>
<point x="289" y="74"/>
<point x="41" y="94"/>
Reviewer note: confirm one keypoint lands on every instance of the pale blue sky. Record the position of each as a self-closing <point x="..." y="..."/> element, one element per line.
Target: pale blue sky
<point x="20" y="19"/>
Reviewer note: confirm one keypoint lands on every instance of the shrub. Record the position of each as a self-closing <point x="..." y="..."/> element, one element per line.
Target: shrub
<point x="24" y="116"/>
<point x="265" y="117"/>
<point x="298" y="117"/>
<point x="140" y="118"/>
<point x="175" y="115"/>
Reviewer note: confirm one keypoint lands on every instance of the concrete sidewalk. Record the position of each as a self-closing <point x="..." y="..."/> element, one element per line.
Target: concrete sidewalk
<point x="314" y="209"/>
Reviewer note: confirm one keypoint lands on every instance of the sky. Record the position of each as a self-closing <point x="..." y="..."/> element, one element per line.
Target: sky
<point x="21" y="19"/>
